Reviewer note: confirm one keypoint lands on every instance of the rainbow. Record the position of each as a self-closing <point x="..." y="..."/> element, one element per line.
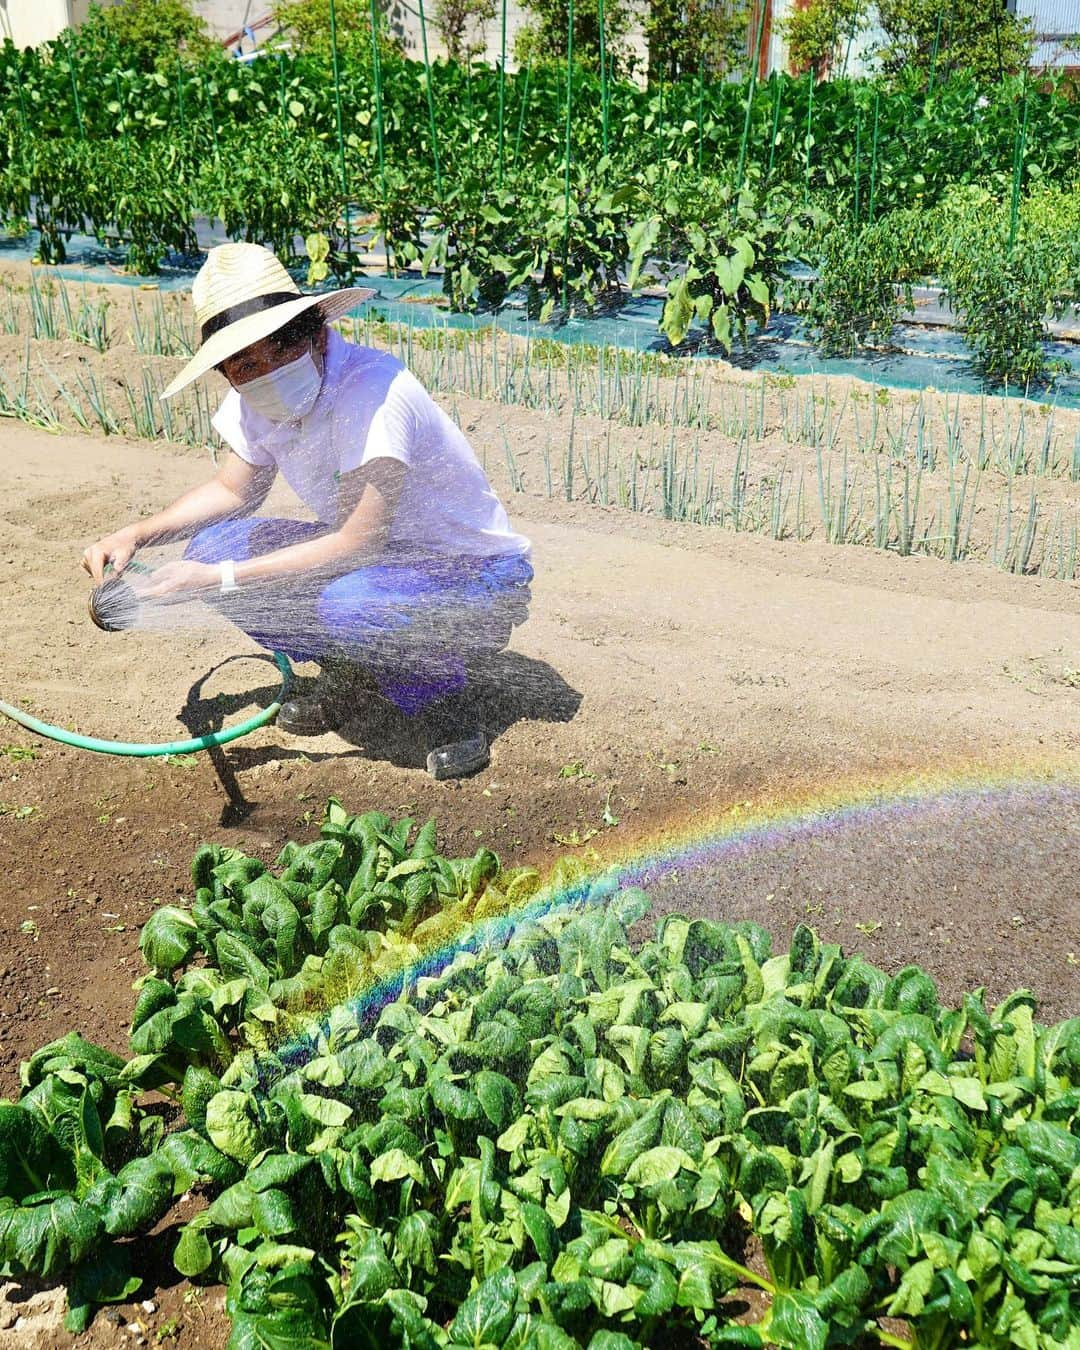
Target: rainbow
<point x="740" y="829"/>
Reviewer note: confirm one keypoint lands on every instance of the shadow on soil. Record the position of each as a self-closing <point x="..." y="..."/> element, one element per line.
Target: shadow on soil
<point x="513" y="688"/>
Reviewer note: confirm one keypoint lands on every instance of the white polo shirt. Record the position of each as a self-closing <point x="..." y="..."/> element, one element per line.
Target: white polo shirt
<point x="371" y="406"/>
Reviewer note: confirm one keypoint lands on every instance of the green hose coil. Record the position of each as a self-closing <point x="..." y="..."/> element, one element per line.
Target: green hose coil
<point x="148" y="750"/>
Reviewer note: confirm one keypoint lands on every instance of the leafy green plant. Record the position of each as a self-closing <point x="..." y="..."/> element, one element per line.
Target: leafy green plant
<point x="855" y="300"/>
<point x="554" y="1137"/>
<point x="721" y="252"/>
<point x="1003" y="299"/>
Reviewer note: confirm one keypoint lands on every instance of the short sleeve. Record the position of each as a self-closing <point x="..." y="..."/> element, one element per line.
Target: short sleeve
<point x="393" y="428"/>
<point x="228" y="423"/>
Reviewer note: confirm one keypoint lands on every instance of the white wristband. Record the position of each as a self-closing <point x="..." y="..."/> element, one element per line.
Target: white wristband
<point x="228" y="577"/>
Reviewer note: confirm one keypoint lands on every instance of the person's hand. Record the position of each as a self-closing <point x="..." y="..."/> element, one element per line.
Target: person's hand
<point x="179" y="579"/>
<point x="117" y="549"/>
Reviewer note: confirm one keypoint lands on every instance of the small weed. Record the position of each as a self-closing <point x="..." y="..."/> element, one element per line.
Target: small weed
<point x="168" y="1330"/>
<point x="30" y="927"/>
<point x="608" y="818"/>
<point x="18" y="752"/>
<point x="867" y="928"/>
<point x="574" y="839"/>
<point x="23" y="812"/>
<point x="1071" y="678"/>
<point x="575" y="769"/>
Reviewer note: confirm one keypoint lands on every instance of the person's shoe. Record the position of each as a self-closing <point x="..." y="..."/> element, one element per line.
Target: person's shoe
<point x="304" y="717"/>
<point x="458" y="759"/>
<point x="456" y="746"/>
<point x="328" y="703"/>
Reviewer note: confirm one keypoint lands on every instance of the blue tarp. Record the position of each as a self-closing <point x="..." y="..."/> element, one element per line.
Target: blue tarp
<point x="930" y="355"/>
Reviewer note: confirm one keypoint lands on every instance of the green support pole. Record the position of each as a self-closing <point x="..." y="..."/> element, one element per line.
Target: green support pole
<point x="809" y="134"/>
<point x="1018" y="176"/>
<point x="873" y="156"/>
<point x="604" y="114"/>
<point x="934" y="54"/>
<point x="779" y="86"/>
<point x="700" y="110"/>
<point x="522" y="111"/>
<point x="750" y="99"/>
<point x="210" y="110"/>
<point x="180" y="94"/>
<point x="24" y="121"/>
<point x="569" y="125"/>
<point x="858" y="154"/>
<point x="340" y="125"/>
<point x="431" y="100"/>
<point x="282" y="102"/>
<point x="75" y="93"/>
<point x="376" y="67"/>
<point x="120" y="107"/>
<point x="502" y="91"/>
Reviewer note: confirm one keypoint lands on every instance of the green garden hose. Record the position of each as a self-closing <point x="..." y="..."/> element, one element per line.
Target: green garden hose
<point x="146" y="750"/>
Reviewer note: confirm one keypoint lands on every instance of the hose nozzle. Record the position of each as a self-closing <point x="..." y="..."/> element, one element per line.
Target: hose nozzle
<point x="114" y="605"/>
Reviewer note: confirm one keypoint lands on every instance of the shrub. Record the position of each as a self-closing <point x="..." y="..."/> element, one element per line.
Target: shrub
<point x="855" y="301"/>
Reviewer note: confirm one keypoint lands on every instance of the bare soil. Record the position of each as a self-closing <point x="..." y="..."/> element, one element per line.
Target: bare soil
<point x="673" y="678"/>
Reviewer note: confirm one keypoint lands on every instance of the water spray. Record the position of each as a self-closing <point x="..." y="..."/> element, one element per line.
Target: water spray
<point x="114" y="606"/>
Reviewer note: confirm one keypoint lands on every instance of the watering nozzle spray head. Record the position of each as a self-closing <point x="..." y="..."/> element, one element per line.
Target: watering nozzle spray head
<point x="114" y="605"/>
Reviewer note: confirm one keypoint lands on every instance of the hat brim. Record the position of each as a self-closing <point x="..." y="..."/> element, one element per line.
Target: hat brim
<point x="236" y="336"/>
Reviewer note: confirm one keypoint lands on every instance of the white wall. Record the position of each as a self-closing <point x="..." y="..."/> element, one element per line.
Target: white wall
<point x="28" y="22"/>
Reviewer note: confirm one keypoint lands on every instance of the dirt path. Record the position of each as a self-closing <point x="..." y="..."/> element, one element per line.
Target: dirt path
<point x="671" y="676"/>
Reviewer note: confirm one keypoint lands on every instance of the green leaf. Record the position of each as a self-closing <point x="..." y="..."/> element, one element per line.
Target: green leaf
<point x="50" y="1237"/>
<point x="279" y="1169"/>
<point x="142" y="1194"/>
<point x="486" y="1315"/>
<point x="231" y="1127"/>
<point x="795" y="1323"/>
<point x="272" y="1213"/>
<point x="498" y="1097"/>
<point x="659" y="1164"/>
<point x="169" y="938"/>
<point x="105" y="1277"/>
<point x="193" y="1255"/>
<point x="395" y="1165"/>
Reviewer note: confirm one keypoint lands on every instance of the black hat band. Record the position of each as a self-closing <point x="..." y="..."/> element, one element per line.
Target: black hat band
<point x="255" y="305"/>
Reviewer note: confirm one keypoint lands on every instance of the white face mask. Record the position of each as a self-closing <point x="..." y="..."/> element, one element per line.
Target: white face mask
<point x="286" y="393"/>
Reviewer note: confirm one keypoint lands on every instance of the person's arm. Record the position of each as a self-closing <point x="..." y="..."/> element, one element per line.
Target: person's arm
<point x="237" y="489"/>
<point x="369" y="497"/>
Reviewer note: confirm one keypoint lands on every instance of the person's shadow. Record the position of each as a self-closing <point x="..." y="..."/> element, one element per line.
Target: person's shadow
<point x="511" y="689"/>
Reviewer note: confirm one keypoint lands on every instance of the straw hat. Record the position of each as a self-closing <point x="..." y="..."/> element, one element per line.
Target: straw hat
<point x="242" y="294"/>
